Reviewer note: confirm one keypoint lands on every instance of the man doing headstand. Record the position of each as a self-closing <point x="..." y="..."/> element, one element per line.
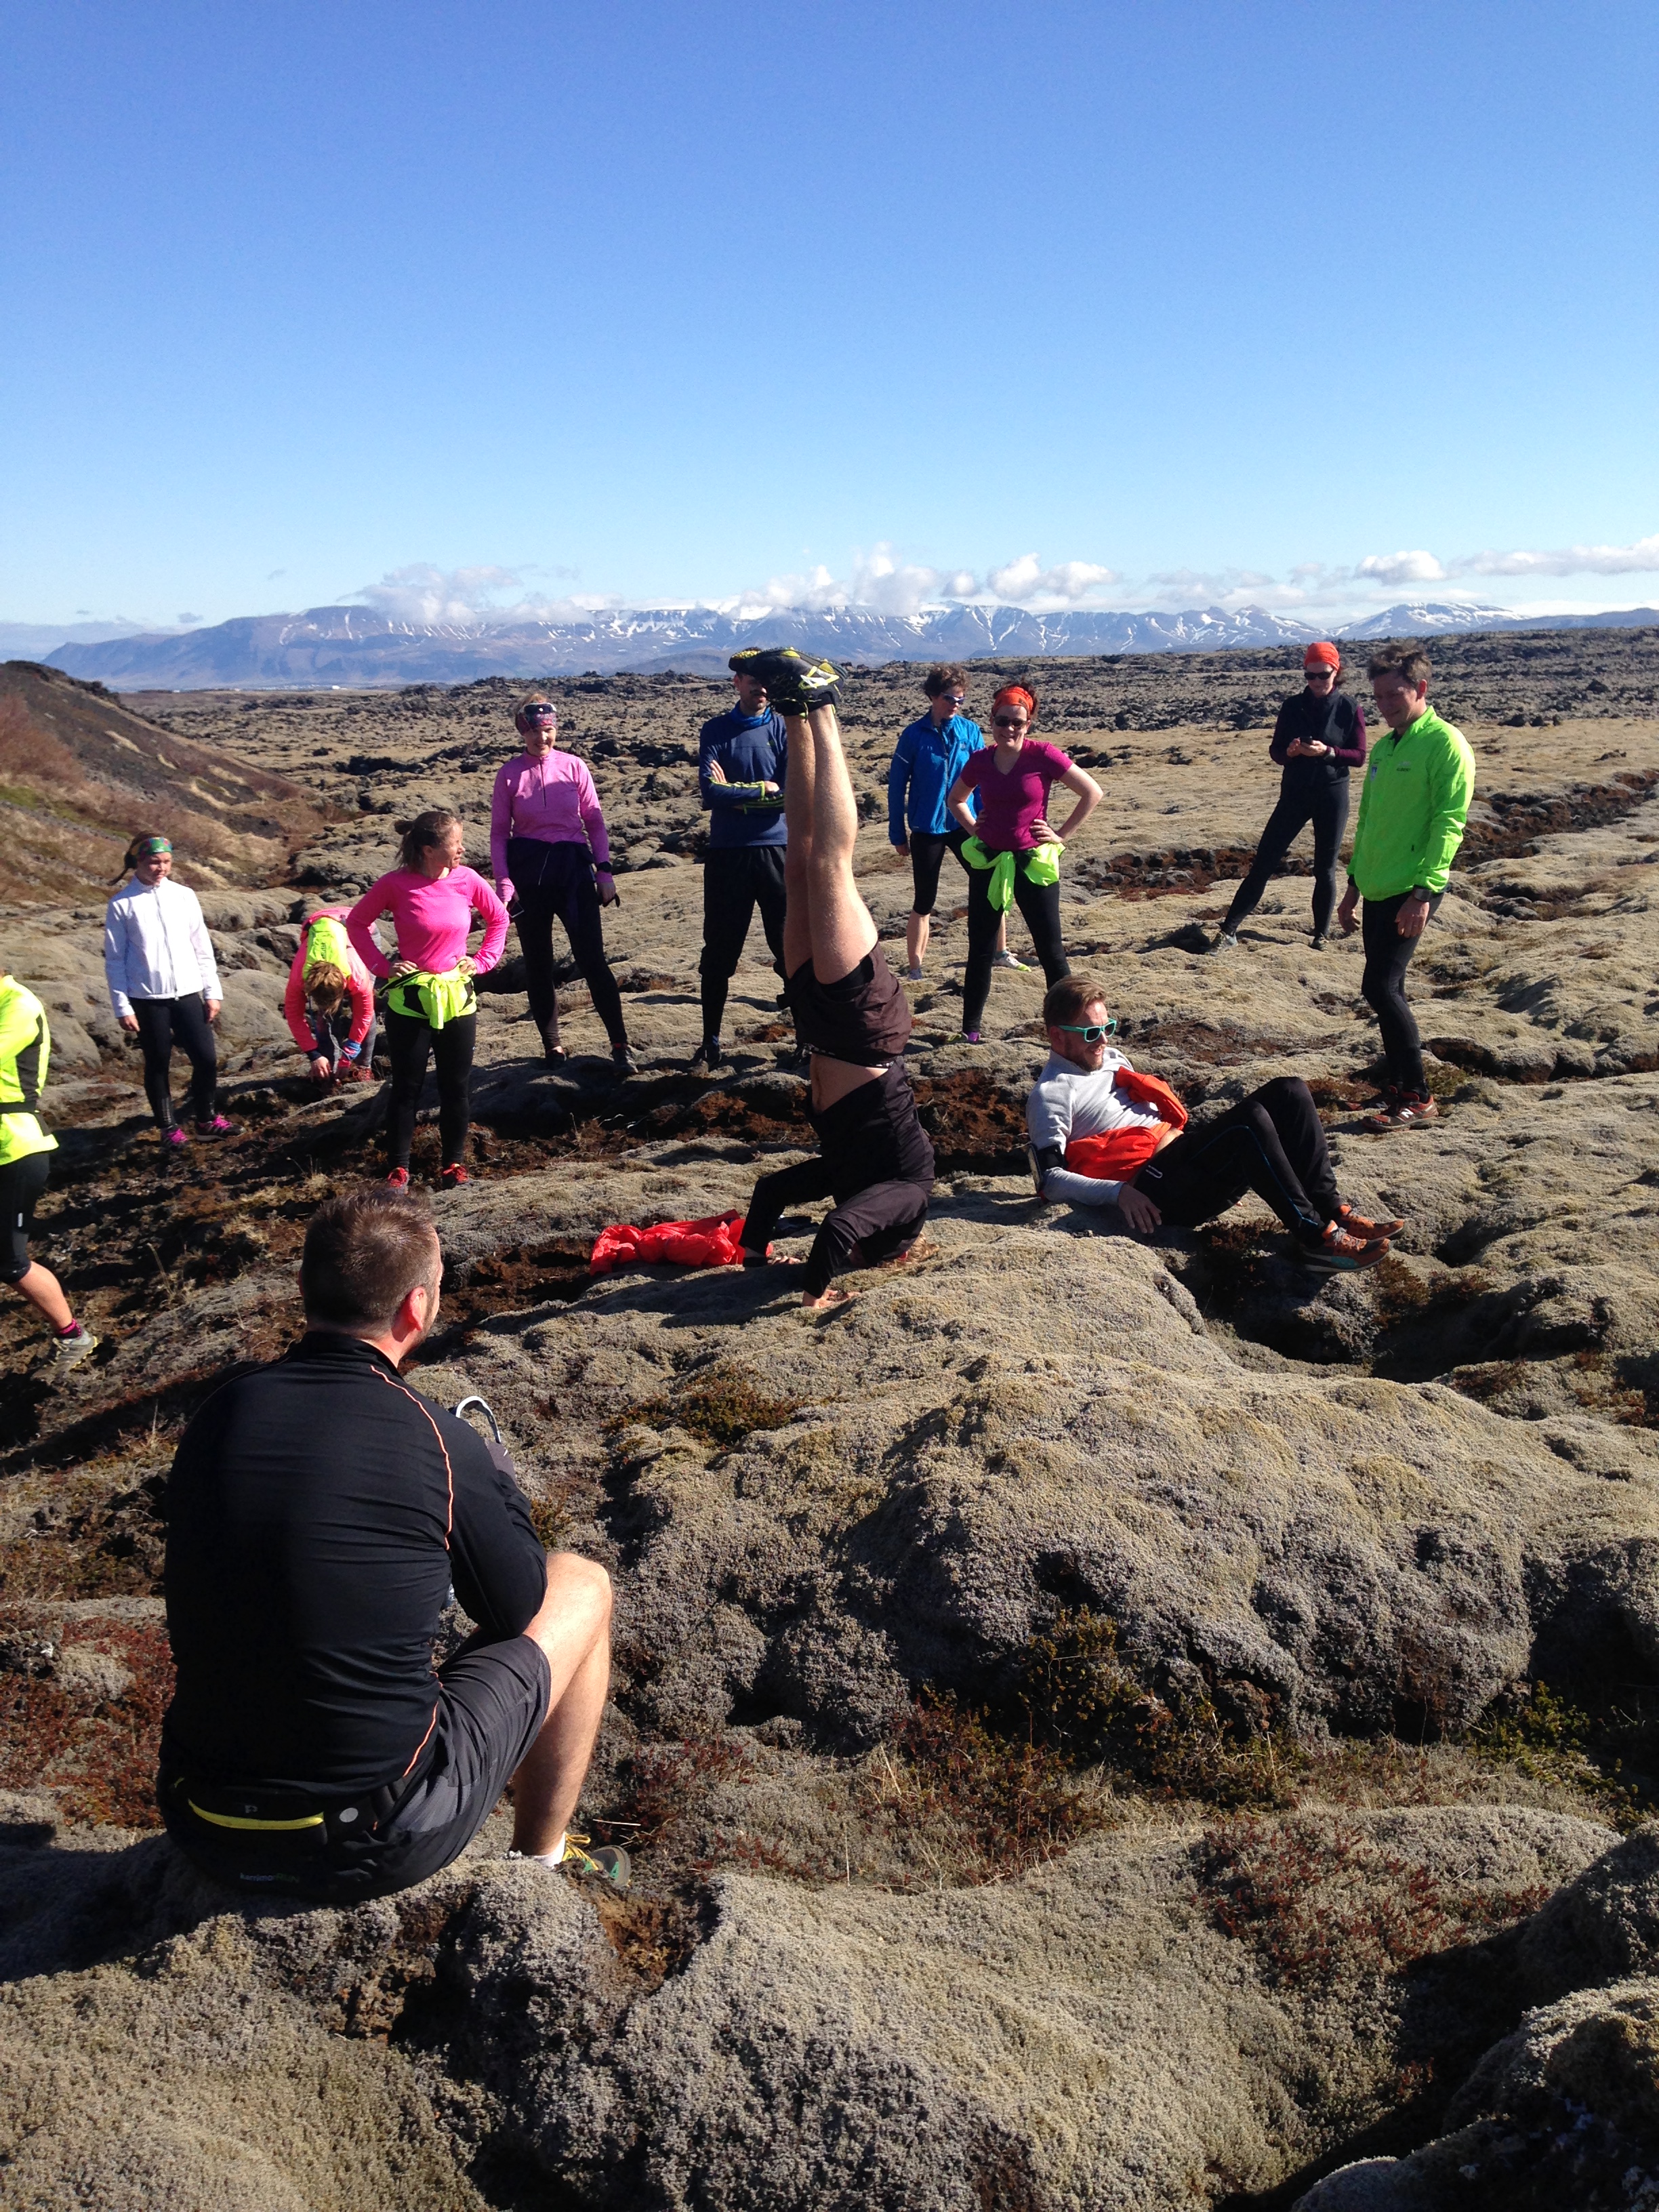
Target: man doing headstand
<point x="1102" y="1134"/>
<point x="850" y="1014"/>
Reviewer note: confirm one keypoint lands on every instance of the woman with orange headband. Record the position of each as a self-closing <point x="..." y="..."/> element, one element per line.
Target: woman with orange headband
<point x="1013" y="778"/>
<point x="1319" y="736"/>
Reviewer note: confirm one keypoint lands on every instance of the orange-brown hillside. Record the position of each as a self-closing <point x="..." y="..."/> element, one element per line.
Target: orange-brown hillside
<point x="79" y="773"/>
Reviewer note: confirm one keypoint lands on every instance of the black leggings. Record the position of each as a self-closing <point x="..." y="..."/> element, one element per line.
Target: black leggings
<point x="409" y="1039"/>
<point x="21" y="1183"/>
<point x="871" y="1226"/>
<point x="1039" y="904"/>
<point x="163" y="1024"/>
<point x="927" y="851"/>
<point x="1272" y="1143"/>
<point x="1388" y="956"/>
<point x="1325" y="804"/>
<point x="555" y="882"/>
<point x="735" y="879"/>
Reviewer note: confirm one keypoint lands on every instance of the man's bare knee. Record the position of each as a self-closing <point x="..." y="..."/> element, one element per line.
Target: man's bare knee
<point x="576" y="1608"/>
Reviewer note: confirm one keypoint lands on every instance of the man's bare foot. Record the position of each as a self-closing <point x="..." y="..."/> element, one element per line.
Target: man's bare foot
<point x="832" y="1297"/>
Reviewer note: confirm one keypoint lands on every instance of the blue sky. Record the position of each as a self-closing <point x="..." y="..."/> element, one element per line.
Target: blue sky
<point x="1069" y="300"/>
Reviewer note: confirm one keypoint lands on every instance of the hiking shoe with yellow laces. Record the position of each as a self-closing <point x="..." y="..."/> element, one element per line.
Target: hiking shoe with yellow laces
<point x="793" y="684"/>
<point x="606" y="1862"/>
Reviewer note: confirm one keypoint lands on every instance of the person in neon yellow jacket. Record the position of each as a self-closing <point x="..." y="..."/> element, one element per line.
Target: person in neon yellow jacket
<point x="1414" y="806"/>
<point x="26" y="1150"/>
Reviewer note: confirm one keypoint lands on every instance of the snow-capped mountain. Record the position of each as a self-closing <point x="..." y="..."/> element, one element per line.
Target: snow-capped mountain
<point x="356" y="647"/>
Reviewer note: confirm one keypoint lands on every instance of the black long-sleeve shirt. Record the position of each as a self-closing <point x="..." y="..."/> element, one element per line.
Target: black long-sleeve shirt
<point x="1336" y="720"/>
<point x="317" y="1510"/>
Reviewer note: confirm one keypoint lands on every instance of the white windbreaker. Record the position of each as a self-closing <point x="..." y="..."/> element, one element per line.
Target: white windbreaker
<point x="156" y="945"/>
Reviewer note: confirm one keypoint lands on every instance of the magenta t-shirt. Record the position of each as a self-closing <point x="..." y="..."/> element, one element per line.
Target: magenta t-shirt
<point x="1008" y="805"/>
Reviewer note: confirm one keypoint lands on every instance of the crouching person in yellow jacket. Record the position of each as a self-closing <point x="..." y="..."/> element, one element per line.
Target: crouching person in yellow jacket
<point x="25" y="1150"/>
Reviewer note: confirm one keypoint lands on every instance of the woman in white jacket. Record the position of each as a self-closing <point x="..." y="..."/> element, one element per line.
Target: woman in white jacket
<point x="164" y="984"/>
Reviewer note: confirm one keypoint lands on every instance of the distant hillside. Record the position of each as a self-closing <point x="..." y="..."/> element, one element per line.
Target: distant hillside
<point x="79" y="773"/>
<point x="356" y="649"/>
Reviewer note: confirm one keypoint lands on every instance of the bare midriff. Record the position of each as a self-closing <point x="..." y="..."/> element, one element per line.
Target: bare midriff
<point x="833" y="1079"/>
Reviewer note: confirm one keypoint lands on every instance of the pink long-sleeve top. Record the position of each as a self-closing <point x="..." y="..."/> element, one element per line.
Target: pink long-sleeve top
<point x="360" y="988"/>
<point x="552" y="798"/>
<point x="432" y="919"/>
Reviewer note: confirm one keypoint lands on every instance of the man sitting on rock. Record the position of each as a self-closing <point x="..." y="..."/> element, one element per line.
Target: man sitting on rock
<point x="851" y="1015"/>
<point x="1102" y="1134"/>
<point x="319" y="1511"/>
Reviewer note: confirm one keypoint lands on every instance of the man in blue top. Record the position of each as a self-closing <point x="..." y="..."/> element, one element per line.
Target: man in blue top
<point x="928" y="759"/>
<point x="741" y="759"/>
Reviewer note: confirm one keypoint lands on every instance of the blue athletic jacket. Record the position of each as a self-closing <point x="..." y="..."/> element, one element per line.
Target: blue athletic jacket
<point x="926" y="761"/>
<point x="751" y="750"/>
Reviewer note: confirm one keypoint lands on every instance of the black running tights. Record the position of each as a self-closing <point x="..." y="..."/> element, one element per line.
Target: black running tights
<point x="1326" y="805"/>
<point x="163" y="1024"/>
<point x="562" y="889"/>
<point x="408" y="1040"/>
<point x="1388" y="956"/>
<point x="1040" y="905"/>
<point x="1272" y="1143"/>
<point x="867" y="1227"/>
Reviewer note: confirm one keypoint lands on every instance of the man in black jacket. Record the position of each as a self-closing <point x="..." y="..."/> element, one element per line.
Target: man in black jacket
<point x="317" y="1512"/>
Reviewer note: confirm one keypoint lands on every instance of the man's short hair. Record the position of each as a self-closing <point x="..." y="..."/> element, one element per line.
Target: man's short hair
<point x="1409" y="662"/>
<point x="364" y="1253"/>
<point x="944" y="676"/>
<point x="1068" y="1002"/>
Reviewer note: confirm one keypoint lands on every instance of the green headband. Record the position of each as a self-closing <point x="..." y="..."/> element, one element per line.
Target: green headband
<point x="151" y="846"/>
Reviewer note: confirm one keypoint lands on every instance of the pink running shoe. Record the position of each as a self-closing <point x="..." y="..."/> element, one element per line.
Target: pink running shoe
<point x="218" y="1126"/>
<point x="174" y="1139"/>
<point x="397" y="1180"/>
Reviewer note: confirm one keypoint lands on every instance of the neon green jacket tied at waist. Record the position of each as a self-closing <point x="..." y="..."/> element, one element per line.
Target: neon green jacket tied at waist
<point x="1042" y="866"/>
<point x="436" y="999"/>
<point x="1413" y="804"/>
<point x="25" y="1048"/>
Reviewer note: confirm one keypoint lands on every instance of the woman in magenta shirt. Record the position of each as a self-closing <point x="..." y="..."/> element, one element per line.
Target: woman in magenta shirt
<point x="1013" y="778"/>
<point x="551" y="855"/>
<point x="433" y="899"/>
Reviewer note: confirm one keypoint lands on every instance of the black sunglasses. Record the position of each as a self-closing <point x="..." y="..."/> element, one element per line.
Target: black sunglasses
<point x="1010" y="722"/>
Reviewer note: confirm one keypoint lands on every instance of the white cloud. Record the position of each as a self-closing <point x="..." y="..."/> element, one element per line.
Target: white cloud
<point x="1639" y="559"/>
<point x="1023" y="581"/>
<point x="429" y="597"/>
<point x="1403" y="569"/>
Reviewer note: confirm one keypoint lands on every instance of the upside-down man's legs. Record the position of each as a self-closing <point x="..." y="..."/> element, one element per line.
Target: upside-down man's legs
<point x="822" y="819"/>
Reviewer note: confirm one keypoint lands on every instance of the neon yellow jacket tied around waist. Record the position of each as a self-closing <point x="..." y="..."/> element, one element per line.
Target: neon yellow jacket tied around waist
<point x="438" y="999"/>
<point x="25" y="1049"/>
<point x="1042" y="866"/>
<point x="1413" y="804"/>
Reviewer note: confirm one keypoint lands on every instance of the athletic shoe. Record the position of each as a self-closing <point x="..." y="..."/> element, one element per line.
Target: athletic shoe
<point x="1226" y="940"/>
<point x="1373" y="1232"/>
<point x="218" y="1126"/>
<point x="70" y="1350"/>
<point x="708" y="1055"/>
<point x="1319" y="942"/>
<point x="915" y="974"/>
<point x="970" y="1036"/>
<point x="1006" y="959"/>
<point x="174" y="1139"/>
<point x="608" y="1862"/>
<point x="397" y="1180"/>
<point x="794" y="685"/>
<point x="451" y="1178"/>
<point x="1404" y="1109"/>
<point x="1338" y="1253"/>
<point x="621" y="1057"/>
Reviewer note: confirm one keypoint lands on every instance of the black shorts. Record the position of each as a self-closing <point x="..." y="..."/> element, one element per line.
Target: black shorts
<point x="927" y="850"/>
<point x="21" y="1183"/>
<point x="492" y="1701"/>
<point x="865" y="1018"/>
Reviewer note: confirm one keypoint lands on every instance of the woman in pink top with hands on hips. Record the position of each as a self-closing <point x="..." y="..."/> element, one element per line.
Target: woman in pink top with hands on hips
<point x="1013" y="778"/>
<point x="433" y="899"/>
<point x="551" y="855"/>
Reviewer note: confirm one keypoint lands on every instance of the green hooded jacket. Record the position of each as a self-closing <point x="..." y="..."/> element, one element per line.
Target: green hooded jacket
<point x="25" y="1048"/>
<point x="1413" y="804"/>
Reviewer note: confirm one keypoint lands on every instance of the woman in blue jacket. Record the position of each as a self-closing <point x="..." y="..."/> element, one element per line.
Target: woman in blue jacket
<point x="928" y="759"/>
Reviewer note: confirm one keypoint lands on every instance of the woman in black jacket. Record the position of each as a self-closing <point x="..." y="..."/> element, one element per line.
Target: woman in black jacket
<point x="1319" y="736"/>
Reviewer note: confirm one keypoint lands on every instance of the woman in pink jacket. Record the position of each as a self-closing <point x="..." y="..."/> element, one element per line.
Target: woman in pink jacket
<point x="329" y="1000"/>
<point x="433" y="899"/>
<point x="551" y="855"/>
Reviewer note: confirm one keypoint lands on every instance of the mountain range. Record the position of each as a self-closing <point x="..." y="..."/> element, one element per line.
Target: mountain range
<point x="358" y="648"/>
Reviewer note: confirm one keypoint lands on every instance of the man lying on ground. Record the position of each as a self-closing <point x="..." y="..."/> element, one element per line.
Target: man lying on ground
<point x="317" y="1512"/>
<point x="1102" y="1134"/>
<point x="851" y="1015"/>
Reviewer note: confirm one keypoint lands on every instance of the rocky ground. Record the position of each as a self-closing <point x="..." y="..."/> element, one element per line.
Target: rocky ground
<point x="1099" y="1722"/>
